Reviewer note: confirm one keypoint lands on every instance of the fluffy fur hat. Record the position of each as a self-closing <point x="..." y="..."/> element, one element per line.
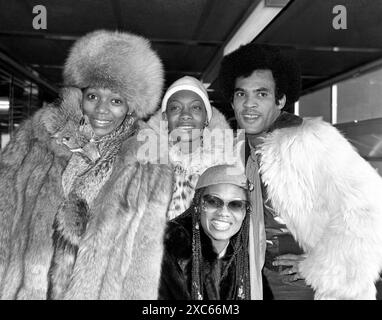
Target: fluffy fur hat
<point x="120" y="61"/>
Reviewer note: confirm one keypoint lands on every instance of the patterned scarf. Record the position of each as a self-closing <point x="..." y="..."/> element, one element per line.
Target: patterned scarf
<point x="85" y="178"/>
<point x="86" y="173"/>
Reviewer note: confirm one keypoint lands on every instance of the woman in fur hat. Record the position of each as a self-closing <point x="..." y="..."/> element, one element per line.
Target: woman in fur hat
<point x="80" y="216"/>
<point x="187" y="119"/>
<point x="206" y="248"/>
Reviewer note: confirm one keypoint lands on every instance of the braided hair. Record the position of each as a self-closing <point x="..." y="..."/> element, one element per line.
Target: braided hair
<point x="239" y="256"/>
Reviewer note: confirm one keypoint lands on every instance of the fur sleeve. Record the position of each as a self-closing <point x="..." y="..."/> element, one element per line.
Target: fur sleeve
<point x="10" y="160"/>
<point x="150" y="204"/>
<point x="22" y="154"/>
<point x="17" y="148"/>
<point x="120" y="255"/>
<point x="330" y="199"/>
<point x="23" y="165"/>
<point x="177" y="247"/>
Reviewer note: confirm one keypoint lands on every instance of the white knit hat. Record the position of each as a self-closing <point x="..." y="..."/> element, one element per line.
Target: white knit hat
<point x="192" y="84"/>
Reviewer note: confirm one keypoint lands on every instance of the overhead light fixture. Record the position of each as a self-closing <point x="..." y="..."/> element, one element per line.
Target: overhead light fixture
<point x="261" y="16"/>
<point x="4" y="104"/>
<point x="258" y="16"/>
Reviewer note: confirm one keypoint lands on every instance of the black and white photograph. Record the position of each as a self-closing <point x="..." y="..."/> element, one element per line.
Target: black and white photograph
<point x="190" y="154"/>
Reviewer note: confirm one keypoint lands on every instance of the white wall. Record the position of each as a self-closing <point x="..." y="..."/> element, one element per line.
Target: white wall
<point x="4" y="139"/>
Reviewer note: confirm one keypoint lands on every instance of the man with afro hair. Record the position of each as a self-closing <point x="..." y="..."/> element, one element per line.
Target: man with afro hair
<point x="318" y="219"/>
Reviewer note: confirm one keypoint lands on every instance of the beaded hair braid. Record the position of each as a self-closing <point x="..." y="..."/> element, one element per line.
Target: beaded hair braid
<point x="240" y="256"/>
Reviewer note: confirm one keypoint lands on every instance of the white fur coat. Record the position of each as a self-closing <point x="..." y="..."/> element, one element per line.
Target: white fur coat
<point x="331" y="200"/>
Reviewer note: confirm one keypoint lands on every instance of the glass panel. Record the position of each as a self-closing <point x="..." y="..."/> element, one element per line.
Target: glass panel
<point x="316" y="104"/>
<point x="19" y="99"/>
<point x="360" y="98"/>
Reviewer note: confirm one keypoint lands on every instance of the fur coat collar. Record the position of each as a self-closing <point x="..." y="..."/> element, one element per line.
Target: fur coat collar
<point x="118" y="254"/>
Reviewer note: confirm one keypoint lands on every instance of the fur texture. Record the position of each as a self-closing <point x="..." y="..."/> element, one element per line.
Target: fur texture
<point x="188" y="168"/>
<point x="119" y="253"/>
<point x="330" y="199"/>
<point x="122" y="62"/>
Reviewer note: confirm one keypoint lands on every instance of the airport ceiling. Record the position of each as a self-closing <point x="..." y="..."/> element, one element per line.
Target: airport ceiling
<point x="189" y="35"/>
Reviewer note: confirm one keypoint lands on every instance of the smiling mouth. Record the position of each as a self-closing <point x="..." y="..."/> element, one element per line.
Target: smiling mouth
<point x="220" y="225"/>
<point x="251" y="116"/>
<point x="185" y="126"/>
<point x="101" y="123"/>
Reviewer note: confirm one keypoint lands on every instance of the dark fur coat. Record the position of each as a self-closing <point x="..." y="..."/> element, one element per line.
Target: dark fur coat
<point x="120" y="251"/>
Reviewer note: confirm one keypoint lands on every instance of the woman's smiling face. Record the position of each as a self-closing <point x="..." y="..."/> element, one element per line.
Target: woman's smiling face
<point x="106" y="109"/>
<point x="222" y="223"/>
<point x="186" y="114"/>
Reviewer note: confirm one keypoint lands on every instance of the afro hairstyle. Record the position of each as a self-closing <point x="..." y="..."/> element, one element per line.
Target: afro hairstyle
<point x="251" y="57"/>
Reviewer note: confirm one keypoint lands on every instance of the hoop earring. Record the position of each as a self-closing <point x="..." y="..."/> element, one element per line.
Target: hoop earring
<point x="131" y="118"/>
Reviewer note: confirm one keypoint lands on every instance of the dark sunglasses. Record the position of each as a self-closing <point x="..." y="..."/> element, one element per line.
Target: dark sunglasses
<point x="211" y="202"/>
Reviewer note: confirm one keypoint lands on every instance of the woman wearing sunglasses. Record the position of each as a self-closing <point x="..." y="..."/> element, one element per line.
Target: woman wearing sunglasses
<point x="206" y="248"/>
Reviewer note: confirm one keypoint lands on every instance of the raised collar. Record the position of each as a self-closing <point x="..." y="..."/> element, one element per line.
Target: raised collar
<point x="285" y="120"/>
